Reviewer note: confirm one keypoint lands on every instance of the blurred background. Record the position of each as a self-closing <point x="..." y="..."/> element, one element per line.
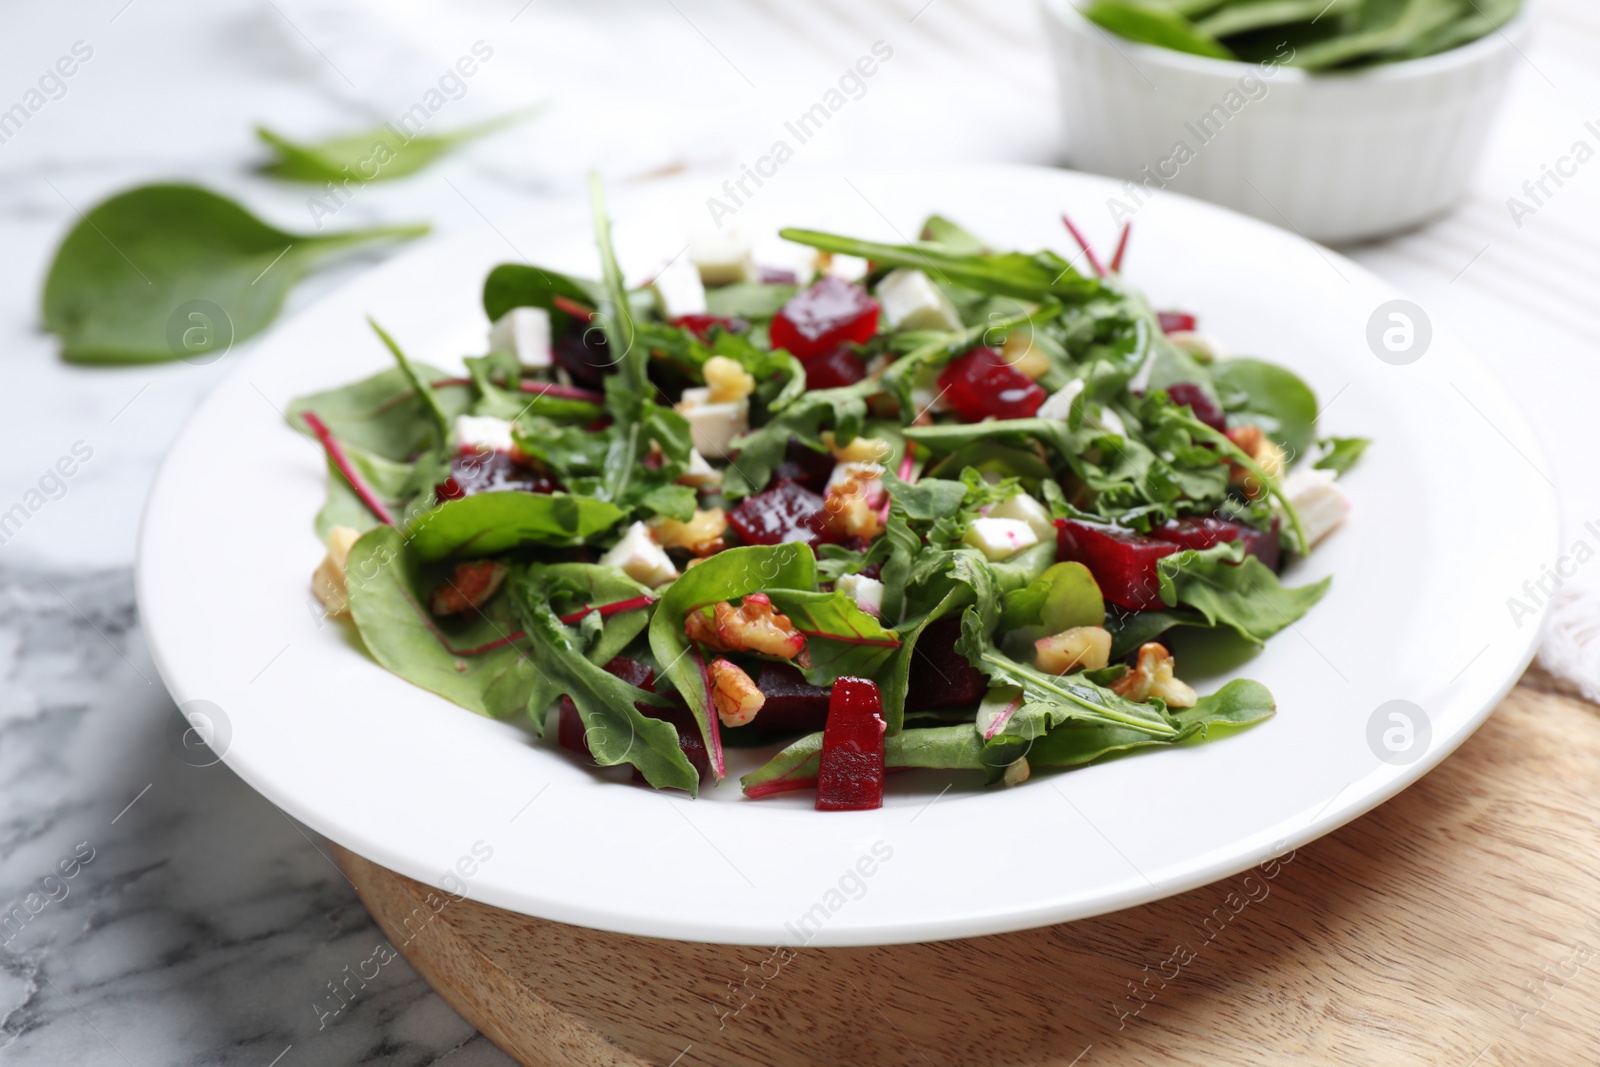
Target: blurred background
<point x="207" y="926"/>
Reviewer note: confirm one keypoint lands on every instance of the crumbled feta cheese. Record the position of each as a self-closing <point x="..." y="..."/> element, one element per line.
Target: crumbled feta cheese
<point x="714" y="425"/>
<point x="1026" y="509"/>
<point x="722" y="258"/>
<point x="473" y="433"/>
<point x="1321" y="504"/>
<point x="866" y="592"/>
<point x="679" y="290"/>
<point x="639" y="557"/>
<point x="700" y="474"/>
<point x="999" y="539"/>
<point x="525" y="334"/>
<point x="911" y="301"/>
<point x="850" y="268"/>
<point x="1058" y="405"/>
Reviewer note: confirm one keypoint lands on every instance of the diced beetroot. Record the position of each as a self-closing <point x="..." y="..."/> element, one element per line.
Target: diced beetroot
<point x="981" y="383"/>
<point x="817" y="320"/>
<point x="689" y="739"/>
<point x="1123" y="563"/>
<point x="581" y="350"/>
<point x="700" y="325"/>
<point x="483" y="472"/>
<point x="1204" y="531"/>
<point x="571" y="734"/>
<point x="1187" y="394"/>
<point x="1176" y="321"/>
<point x="794" y="706"/>
<point x="850" y="770"/>
<point x="837" y="368"/>
<point x="805" y="465"/>
<point x="786" y="512"/>
<point x="941" y="677"/>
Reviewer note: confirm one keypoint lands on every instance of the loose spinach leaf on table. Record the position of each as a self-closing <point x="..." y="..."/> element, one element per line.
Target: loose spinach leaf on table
<point x="379" y="154"/>
<point x="165" y="272"/>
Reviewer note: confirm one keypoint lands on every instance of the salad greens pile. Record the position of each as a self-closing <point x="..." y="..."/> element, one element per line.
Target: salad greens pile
<point x="1320" y="35"/>
<point x="993" y="517"/>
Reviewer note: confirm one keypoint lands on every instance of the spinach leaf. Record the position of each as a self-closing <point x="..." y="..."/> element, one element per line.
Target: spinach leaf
<point x="1271" y="397"/>
<point x="391" y="481"/>
<point x="940" y="584"/>
<point x="841" y="639"/>
<point x="379" y="154"/>
<point x="486" y="524"/>
<point x="1241" y="594"/>
<point x="384" y="414"/>
<point x="954" y="237"/>
<point x="615" y="729"/>
<point x="1030" y="277"/>
<point x="572" y="587"/>
<point x="956" y="748"/>
<point x="728" y="575"/>
<point x="1064" y="596"/>
<point x="389" y="585"/>
<point x="145" y="275"/>
<point x="514" y="285"/>
<point x="755" y="301"/>
<point x="1341" y="453"/>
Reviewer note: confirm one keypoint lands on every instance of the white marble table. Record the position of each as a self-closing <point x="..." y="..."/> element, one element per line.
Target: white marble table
<point x="201" y="925"/>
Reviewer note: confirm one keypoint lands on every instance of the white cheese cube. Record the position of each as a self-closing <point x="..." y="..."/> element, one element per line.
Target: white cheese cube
<point x="700" y="474"/>
<point x="722" y="258"/>
<point x="1058" y="405"/>
<point x="679" y="290"/>
<point x="911" y="301"/>
<point x="999" y="539"/>
<point x="639" y="557"/>
<point x="473" y="433"/>
<point x="525" y="334"/>
<point x="850" y="268"/>
<point x="1320" y="503"/>
<point x="866" y="592"/>
<point x="1026" y="509"/>
<point x="714" y="425"/>
<point x="865" y="473"/>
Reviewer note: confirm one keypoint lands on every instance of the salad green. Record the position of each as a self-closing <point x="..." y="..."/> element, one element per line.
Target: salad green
<point x="1321" y="35"/>
<point x="977" y="489"/>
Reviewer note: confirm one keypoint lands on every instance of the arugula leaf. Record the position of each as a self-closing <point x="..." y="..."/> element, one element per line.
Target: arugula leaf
<point x="144" y="275"/>
<point x="389" y="585"/>
<point x="755" y="301"/>
<point x="1238" y="703"/>
<point x="759" y="452"/>
<point x="486" y="524"/>
<point x="1029" y="277"/>
<point x="572" y="587"/>
<point x="1271" y="397"/>
<point x="955" y="748"/>
<point x="1241" y="594"/>
<point x="940" y="583"/>
<point x="841" y="639"/>
<point x="728" y="575"/>
<point x="1340" y="453"/>
<point x="615" y="729"/>
<point x="379" y="154"/>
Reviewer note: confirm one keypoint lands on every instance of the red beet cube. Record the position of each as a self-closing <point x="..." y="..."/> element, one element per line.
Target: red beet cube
<point x="1204" y="531"/>
<point x="700" y="325"/>
<point x="1176" y="321"/>
<point x="794" y="706"/>
<point x="838" y="368"/>
<point x="817" y="320"/>
<point x="981" y="383"/>
<point x="1187" y="394"/>
<point x="571" y="734"/>
<point x="807" y="466"/>
<point x="941" y="677"/>
<point x="581" y="350"/>
<point x="1123" y="563"/>
<point x="484" y="472"/>
<point x="850" y="770"/>
<point x="786" y="512"/>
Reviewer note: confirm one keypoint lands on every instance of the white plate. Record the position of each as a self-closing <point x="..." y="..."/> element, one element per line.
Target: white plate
<point x="1451" y="517"/>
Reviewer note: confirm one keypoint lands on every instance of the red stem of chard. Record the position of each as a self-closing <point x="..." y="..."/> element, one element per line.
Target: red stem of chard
<point x="563" y="392"/>
<point x="342" y="462"/>
<point x="573" y="308"/>
<point x="1122" y="246"/>
<point x="605" y="610"/>
<point x="1094" y="261"/>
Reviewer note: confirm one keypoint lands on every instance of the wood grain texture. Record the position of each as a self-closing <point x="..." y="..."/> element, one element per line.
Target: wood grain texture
<point x="1457" y="925"/>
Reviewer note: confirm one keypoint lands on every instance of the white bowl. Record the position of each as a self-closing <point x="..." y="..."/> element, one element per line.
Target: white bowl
<point x="1336" y="157"/>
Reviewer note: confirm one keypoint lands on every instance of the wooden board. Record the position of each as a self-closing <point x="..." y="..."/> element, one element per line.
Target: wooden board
<point x="1457" y="925"/>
